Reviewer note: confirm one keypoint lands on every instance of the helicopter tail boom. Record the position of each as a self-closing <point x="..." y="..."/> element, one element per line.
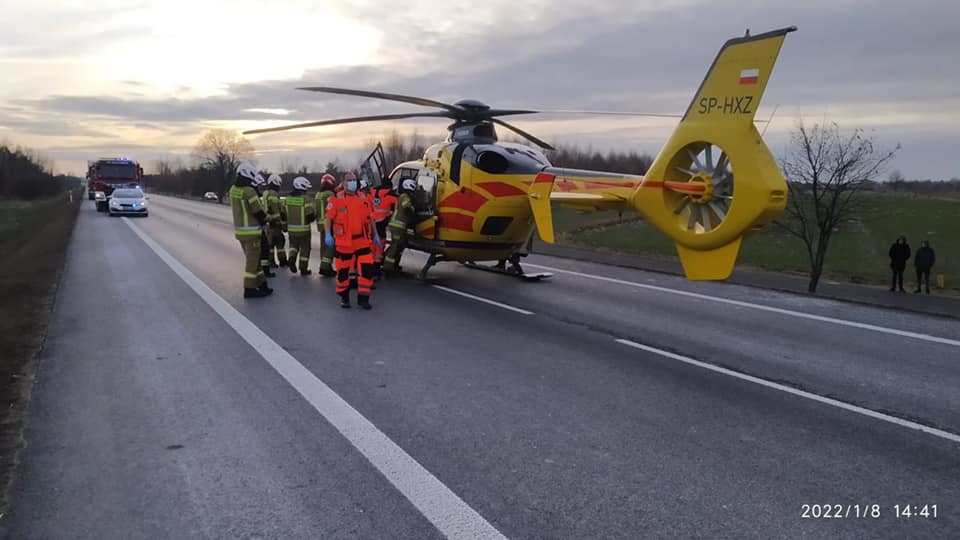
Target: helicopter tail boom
<point x="715" y="179"/>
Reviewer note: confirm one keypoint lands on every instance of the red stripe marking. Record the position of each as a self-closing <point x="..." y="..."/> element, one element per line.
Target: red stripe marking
<point x="544" y="178"/>
<point x="501" y="189"/>
<point x="565" y="185"/>
<point x="427" y="233"/>
<point x="607" y="185"/>
<point x="465" y="199"/>
<point x="684" y="187"/>
<point x="652" y="183"/>
<point x="457" y="222"/>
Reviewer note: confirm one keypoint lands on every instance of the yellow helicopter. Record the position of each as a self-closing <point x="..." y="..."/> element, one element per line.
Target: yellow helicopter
<point x="714" y="180"/>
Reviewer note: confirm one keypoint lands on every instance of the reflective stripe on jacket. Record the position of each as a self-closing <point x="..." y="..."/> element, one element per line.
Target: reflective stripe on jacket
<point x="245" y="204"/>
<point x="300" y="212"/>
<point x="272" y="203"/>
<point x="351" y="222"/>
<point x="383" y="204"/>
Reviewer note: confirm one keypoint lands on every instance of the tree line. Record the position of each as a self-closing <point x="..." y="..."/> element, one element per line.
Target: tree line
<point x="25" y="174"/>
<point x="218" y="152"/>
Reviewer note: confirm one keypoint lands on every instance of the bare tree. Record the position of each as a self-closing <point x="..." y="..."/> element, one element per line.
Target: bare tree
<point x="896" y="180"/>
<point x="826" y="171"/>
<point x="220" y="151"/>
<point x="290" y="165"/>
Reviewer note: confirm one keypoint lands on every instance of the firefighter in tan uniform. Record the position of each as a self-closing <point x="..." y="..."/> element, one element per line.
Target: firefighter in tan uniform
<point x="248" y="221"/>
<point x="259" y="185"/>
<point x="402" y="218"/>
<point x="275" y="221"/>
<point x="300" y="212"/>
<point x="327" y="186"/>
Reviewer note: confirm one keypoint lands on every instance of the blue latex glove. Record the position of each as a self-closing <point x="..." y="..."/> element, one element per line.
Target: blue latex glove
<point x="377" y="240"/>
<point x="328" y="239"/>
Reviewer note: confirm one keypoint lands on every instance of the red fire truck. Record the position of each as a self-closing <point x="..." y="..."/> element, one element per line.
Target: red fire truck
<point x="106" y="174"/>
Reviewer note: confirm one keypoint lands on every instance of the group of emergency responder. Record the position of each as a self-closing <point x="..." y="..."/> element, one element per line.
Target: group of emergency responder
<point x="351" y="216"/>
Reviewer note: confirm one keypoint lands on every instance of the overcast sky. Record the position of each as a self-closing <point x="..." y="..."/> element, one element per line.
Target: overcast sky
<point x="91" y="78"/>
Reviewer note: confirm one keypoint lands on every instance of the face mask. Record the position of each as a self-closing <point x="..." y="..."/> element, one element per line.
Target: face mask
<point x="351" y="185"/>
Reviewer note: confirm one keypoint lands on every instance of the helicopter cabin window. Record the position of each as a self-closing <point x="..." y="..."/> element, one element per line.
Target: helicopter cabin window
<point x="402" y="174"/>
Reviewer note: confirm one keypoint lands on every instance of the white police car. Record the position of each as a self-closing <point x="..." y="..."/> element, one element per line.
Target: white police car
<point x="126" y="201"/>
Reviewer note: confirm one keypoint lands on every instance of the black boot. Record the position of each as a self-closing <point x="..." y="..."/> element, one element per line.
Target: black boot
<point x="292" y="265"/>
<point x="345" y="299"/>
<point x="306" y="272"/>
<point x="363" y="300"/>
<point x="267" y="272"/>
<point x="253" y="293"/>
<point x="266" y="290"/>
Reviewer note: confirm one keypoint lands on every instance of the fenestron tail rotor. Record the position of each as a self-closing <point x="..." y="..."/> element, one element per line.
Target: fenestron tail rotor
<point x="707" y="192"/>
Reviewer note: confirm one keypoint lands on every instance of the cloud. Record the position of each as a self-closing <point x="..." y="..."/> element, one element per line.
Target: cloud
<point x="882" y="65"/>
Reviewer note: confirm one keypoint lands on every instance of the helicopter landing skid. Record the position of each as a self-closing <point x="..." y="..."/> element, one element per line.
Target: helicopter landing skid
<point x="431" y="261"/>
<point x="513" y="271"/>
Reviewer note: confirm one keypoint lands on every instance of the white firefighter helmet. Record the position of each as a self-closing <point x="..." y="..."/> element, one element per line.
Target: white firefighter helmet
<point x="259" y="181"/>
<point x="246" y="170"/>
<point x="301" y="183"/>
<point x="275" y="180"/>
<point x="409" y="185"/>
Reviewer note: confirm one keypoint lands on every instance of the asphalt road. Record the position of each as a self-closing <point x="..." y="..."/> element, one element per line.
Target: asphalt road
<point x="602" y="403"/>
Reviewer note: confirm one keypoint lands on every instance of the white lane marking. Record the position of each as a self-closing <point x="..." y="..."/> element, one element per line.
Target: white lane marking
<point x="815" y="397"/>
<point x="761" y="307"/>
<point x="484" y="300"/>
<point x="441" y="506"/>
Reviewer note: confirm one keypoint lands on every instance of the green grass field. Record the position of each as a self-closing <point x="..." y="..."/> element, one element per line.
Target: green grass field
<point x="858" y="250"/>
<point x="19" y="218"/>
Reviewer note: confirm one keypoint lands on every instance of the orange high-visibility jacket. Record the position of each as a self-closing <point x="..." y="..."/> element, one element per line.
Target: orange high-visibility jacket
<point x="383" y="203"/>
<point x="351" y="222"/>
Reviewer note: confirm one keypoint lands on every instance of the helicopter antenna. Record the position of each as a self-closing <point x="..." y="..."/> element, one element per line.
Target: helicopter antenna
<point x="777" y="106"/>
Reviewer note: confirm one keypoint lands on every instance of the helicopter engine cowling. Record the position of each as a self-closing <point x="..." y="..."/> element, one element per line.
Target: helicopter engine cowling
<point x="492" y="162"/>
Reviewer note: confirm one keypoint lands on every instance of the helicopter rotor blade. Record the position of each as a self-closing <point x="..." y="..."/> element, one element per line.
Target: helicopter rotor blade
<point x="523" y="133"/>
<point x="507" y="112"/>
<point x="610" y="113"/>
<point x="350" y="121"/>
<point x="382" y="95"/>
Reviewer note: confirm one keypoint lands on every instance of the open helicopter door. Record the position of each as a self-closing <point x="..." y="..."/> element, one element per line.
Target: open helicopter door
<point x="425" y="201"/>
<point x="373" y="169"/>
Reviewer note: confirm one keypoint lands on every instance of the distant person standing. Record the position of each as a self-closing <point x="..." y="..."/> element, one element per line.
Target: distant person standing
<point x="899" y="255"/>
<point x="923" y="261"/>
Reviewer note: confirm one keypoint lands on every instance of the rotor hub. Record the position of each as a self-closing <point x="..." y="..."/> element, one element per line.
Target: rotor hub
<point x="472" y="105"/>
<point x="704" y="179"/>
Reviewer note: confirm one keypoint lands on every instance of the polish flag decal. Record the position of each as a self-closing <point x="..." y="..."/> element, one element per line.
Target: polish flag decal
<point x="749" y="76"/>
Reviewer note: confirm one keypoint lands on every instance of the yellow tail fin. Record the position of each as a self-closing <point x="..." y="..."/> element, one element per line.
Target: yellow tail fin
<point x="715" y="178"/>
